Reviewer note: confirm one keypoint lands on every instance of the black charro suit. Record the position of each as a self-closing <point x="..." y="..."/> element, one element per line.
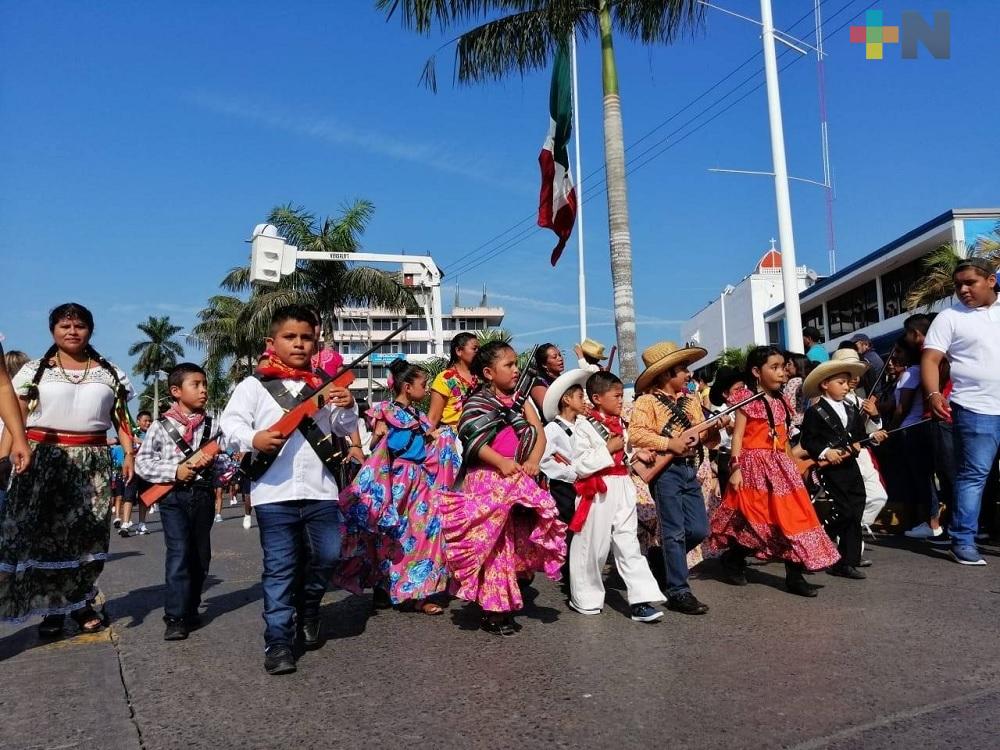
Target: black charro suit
<point x="822" y="428"/>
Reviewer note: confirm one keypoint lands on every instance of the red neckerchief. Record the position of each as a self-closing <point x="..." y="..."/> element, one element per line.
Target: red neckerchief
<point x="190" y="422"/>
<point x="272" y="367"/>
<point x="616" y="426"/>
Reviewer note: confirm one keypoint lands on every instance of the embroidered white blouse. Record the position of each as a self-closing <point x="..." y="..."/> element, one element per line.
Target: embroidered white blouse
<point x="64" y="404"/>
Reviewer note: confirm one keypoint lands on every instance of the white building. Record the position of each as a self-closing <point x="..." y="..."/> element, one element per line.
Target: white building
<point x="736" y="317"/>
<point x="868" y="296"/>
<point x="356" y="329"/>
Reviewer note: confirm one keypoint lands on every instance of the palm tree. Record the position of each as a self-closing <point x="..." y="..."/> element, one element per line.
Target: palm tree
<point x="225" y="334"/>
<point x="219" y="386"/>
<point x="524" y="38"/>
<point x="158" y="351"/>
<point x="323" y="285"/>
<point x="735" y="356"/>
<point x="153" y="397"/>
<point x="937" y="279"/>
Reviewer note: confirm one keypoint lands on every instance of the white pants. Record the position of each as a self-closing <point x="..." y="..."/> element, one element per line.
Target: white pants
<point x="875" y="494"/>
<point x="611" y="525"/>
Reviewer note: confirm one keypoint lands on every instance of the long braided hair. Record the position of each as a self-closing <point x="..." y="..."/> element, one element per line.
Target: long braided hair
<point x="73" y="311"/>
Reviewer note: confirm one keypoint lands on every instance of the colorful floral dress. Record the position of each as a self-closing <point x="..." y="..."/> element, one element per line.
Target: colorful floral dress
<point x="393" y="532"/>
<point x="498" y="527"/>
<point x="771" y="514"/>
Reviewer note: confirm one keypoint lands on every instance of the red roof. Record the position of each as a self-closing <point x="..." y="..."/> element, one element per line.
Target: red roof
<point x="770" y="259"/>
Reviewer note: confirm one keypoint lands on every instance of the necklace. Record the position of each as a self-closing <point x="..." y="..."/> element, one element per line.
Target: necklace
<point x="75" y="380"/>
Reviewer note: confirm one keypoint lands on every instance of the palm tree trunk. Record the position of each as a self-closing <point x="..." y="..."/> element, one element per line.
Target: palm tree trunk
<point x="156" y="395"/>
<point x="621" y="240"/>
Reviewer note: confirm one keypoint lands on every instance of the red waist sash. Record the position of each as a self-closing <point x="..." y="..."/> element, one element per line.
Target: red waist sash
<point x="64" y="437"/>
<point x="589" y="488"/>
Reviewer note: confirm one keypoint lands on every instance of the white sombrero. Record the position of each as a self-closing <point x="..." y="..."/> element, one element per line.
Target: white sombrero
<point x="661" y="357"/>
<point x="842" y="360"/>
<point x="550" y="404"/>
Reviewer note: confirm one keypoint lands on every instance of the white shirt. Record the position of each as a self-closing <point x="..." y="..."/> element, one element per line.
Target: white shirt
<point x="297" y="473"/>
<point x="64" y="404"/>
<point x="592" y="454"/>
<point x="873" y="424"/>
<point x="970" y="337"/>
<point x="558" y="441"/>
<point x="910" y="380"/>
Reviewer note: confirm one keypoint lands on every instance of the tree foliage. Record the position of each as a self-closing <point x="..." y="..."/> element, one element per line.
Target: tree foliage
<point x="158" y="350"/>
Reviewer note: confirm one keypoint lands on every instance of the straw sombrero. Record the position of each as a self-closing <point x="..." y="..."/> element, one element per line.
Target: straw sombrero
<point x="593" y="349"/>
<point x="842" y="360"/>
<point x="661" y="357"/>
<point x="550" y="404"/>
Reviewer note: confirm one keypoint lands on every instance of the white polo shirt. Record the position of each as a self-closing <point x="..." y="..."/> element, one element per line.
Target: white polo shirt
<point x="970" y="338"/>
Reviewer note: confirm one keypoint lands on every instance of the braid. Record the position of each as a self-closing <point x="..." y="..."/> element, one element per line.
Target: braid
<point x="120" y="391"/>
<point x="32" y="390"/>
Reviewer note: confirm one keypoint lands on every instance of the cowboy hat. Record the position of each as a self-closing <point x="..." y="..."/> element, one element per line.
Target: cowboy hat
<point x="661" y="357"/>
<point x="593" y="349"/>
<point x="555" y="392"/>
<point x="842" y="360"/>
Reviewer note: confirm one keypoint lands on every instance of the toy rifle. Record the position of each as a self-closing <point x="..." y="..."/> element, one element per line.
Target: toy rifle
<point x="611" y="359"/>
<point x="805" y="464"/>
<point x="649" y="472"/>
<point x="292" y="418"/>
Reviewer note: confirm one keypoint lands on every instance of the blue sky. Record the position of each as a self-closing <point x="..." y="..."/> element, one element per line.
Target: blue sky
<point x="140" y="143"/>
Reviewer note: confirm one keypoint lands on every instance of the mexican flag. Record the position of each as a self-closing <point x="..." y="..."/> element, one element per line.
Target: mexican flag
<point x="557" y="199"/>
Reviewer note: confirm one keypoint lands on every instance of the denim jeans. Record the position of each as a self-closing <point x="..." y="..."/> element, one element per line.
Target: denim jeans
<point x="301" y="543"/>
<point x="977" y="439"/>
<point x="683" y="521"/>
<point x="186" y="515"/>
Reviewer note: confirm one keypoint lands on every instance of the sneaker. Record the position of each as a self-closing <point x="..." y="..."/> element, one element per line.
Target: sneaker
<point x="967" y="555"/>
<point x="645" y="613"/>
<point x="176" y="631"/>
<point x="583" y="611"/>
<point x="246" y="522"/>
<point x="126" y="530"/>
<point x="923" y="531"/>
<point x="218" y="518"/>
<point x="279" y="660"/>
<point x="142" y="529"/>
<point x="117" y="523"/>
<point x="686" y="604"/>
<point x="232" y="501"/>
<point x="154" y="507"/>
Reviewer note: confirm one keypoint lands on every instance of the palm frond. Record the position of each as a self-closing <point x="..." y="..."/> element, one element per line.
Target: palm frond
<point x="521" y="42"/>
<point x="364" y="285"/>
<point x="657" y="22"/>
<point x="936" y="282"/>
<point x="423" y="15"/>
<point x="237" y="280"/>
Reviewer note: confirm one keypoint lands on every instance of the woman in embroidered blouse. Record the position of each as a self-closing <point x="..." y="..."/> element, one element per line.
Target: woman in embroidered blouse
<point x="550" y="365"/>
<point x="55" y="527"/>
<point x="452" y="386"/>
<point x="795" y="370"/>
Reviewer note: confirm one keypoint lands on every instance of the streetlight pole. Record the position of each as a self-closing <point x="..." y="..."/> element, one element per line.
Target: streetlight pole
<point x="789" y="281"/>
<point x="722" y="300"/>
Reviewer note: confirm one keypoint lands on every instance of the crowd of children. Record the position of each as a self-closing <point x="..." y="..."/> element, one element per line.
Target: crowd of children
<point x="518" y="471"/>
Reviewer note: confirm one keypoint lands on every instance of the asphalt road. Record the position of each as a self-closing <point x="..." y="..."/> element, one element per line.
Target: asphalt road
<point x="908" y="658"/>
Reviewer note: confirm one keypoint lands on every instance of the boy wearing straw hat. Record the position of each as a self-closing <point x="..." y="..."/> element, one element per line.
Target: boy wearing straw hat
<point x="830" y="433"/>
<point x="663" y="410"/>
<point x="590" y="355"/>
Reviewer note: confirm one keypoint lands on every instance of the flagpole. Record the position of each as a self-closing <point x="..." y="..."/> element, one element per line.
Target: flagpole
<point x="579" y="198"/>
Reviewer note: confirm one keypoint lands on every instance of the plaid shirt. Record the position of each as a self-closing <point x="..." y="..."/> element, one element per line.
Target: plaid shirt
<point x="158" y="458"/>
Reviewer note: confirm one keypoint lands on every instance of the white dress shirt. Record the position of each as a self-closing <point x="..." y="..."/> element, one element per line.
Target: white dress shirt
<point x="297" y="473"/>
<point x="557" y="440"/>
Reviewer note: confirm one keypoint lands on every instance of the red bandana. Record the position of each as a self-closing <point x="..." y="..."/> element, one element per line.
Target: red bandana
<point x="272" y="367"/>
<point x="190" y="422"/>
<point x="614" y="425"/>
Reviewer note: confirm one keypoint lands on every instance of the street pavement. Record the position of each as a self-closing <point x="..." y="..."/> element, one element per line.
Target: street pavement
<point x="905" y="659"/>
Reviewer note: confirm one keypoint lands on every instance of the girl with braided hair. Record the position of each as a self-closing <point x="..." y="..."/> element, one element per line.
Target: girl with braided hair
<point x="55" y="527"/>
<point x="501" y="524"/>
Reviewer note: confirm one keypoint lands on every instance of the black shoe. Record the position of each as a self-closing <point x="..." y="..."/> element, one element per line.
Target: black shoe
<point x="381" y="599"/>
<point x="734" y="568"/>
<point x="51" y="626"/>
<point x="312" y="633"/>
<point x="279" y="660"/>
<point x="176" y="631"/>
<point x="865" y="563"/>
<point x="846" y="571"/>
<point x="502" y="625"/>
<point x="686" y="604"/>
<point x="799" y="586"/>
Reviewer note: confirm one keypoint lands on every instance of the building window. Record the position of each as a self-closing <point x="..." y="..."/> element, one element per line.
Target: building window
<point x="896" y="285"/>
<point x="418" y="324"/>
<point x="854" y="310"/>
<point x="810" y="319"/>
<point x="774" y="334"/>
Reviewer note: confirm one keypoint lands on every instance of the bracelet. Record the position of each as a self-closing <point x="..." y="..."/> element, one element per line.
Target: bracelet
<point x="932" y="394"/>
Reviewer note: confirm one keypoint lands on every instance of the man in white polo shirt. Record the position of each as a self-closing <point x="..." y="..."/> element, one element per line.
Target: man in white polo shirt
<point x="968" y="334"/>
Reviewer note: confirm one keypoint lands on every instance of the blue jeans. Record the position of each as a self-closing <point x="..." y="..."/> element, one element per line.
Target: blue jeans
<point x="683" y="521"/>
<point x="301" y="543"/>
<point x="977" y="439"/>
<point x="186" y="515"/>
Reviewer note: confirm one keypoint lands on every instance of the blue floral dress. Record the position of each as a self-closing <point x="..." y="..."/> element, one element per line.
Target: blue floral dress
<point x="393" y="536"/>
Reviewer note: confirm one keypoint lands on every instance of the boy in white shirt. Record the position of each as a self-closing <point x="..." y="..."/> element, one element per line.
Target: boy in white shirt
<point x="606" y="516"/>
<point x="293" y="488"/>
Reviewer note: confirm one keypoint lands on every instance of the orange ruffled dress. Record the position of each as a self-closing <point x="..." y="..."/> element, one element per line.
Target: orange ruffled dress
<point x="771" y="514"/>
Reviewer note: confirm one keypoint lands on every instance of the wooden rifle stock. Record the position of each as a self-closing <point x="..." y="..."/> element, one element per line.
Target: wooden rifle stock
<point x="292" y="418"/>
